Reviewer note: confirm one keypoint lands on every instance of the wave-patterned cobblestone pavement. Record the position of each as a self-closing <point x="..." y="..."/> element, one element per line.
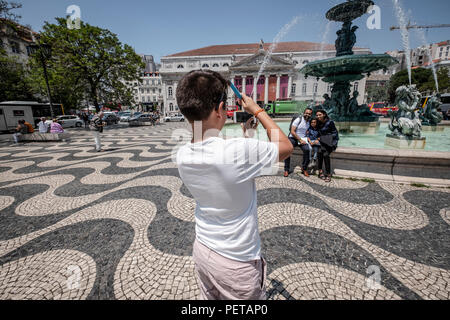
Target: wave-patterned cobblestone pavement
<point x="76" y="224"/>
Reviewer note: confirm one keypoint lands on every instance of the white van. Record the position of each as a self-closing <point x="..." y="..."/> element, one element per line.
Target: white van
<point x="12" y="112"/>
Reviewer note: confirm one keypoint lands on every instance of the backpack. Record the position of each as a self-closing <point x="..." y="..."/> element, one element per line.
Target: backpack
<point x="292" y="122"/>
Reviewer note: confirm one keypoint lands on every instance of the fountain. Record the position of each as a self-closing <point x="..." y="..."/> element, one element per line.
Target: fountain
<point x="347" y="67"/>
<point x="430" y="116"/>
<point x="405" y="123"/>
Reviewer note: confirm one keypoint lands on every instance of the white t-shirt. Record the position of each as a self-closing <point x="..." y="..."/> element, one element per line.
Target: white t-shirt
<point x="43" y="127"/>
<point x="220" y="174"/>
<point x="302" y="126"/>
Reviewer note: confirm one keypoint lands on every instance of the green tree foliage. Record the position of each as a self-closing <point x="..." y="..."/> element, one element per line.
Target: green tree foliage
<point x="377" y="94"/>
<point x="422" y="78"/>
<point x="14" y="84"/>
<point x="94" y="59"/>
<point x="6" y="9"/>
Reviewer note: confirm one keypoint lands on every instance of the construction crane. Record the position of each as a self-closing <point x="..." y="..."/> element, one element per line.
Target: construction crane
<point x="414" y="26"/>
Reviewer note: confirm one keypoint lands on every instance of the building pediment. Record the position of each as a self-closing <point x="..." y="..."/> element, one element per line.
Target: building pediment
<point x="255" y="61"/>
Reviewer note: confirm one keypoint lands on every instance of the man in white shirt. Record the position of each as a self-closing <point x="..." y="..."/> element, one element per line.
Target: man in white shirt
<point x="220" y="174"/>
<point x="297" y="136"/>
<point x="43" y="126"/>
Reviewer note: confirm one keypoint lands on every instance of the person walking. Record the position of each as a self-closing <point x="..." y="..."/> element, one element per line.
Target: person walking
<point x="97" y="126"/>
<point x="297" y="137"/>
<point x="85" y="119"/>
<point x="220" y="174"/>
<point x="329" y="139"/>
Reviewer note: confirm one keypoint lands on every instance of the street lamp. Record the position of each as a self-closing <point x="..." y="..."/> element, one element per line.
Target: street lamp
<point x="44" y="52"/>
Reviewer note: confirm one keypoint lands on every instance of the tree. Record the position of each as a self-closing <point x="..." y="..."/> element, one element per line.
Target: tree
<point x="421" y="77"/>
<point x="95" y="57"/>
<point x="13" y="80"/>
<point x="377" y="94"/>
<point x="5" y="10"/>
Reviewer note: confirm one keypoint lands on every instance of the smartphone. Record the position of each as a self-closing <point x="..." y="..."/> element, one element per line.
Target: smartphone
<point x="235" y="90"/>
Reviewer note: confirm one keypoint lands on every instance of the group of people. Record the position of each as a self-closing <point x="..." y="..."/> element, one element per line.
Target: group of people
<point x="317" y="138"/>
<point x="44" y="127"/>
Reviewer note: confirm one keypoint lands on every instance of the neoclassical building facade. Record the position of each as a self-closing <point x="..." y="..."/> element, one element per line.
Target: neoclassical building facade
<point x="279" y="80"/>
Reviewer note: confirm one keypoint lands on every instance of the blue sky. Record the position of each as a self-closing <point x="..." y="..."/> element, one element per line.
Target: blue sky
<point x="161" y="28"/>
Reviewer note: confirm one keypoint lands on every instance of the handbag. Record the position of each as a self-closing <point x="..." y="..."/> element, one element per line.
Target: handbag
<point x="327" y="140"/>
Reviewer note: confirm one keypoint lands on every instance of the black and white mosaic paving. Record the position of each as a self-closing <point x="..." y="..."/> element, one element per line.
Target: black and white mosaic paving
<point x="76" y="224"/>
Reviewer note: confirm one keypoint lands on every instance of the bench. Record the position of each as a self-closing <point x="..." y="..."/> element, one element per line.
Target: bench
<point x="40" y="137"/>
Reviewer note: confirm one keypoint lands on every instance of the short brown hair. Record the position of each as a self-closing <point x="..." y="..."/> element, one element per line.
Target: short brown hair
<point x="200" y="92"/>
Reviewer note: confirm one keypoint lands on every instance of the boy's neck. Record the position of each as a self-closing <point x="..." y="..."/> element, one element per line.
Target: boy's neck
<point x="207" y="130"/>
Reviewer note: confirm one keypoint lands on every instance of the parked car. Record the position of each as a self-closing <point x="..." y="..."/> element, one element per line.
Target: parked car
<point x="146" y="118"/>
<point x="174" y="118"/>
<point x="110" y="119"/>
<point x="70" y="121"/>
<point x="124" y="117"/>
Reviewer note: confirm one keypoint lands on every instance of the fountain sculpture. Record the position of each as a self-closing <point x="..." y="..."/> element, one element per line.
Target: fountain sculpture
<point x="430" y="116"/>
<point x="405" y="123"/>
<point x="347" y="67"/>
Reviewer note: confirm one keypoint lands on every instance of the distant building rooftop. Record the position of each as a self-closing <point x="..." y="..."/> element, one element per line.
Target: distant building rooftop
<point x="251" y="48"/>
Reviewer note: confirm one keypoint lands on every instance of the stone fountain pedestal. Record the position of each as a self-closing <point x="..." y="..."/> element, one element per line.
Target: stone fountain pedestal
<point x="401" y="142"/>
<point x="369" y="128"/>
<point x="433" y="128"/>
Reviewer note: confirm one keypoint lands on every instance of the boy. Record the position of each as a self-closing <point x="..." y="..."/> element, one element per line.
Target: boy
<point x="220" y="174"/>
<point x="313" y="139"/>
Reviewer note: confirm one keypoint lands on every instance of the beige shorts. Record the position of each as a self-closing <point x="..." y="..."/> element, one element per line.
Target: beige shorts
<point x="220" y="278"/>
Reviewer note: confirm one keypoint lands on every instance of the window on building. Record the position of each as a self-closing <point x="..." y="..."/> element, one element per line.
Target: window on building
<point x="304" y="89"/>
<point x="329" y="88"/>
<point x="142" y="90"/>
<point x="205" y="65"/>
<point x="159" y="90"/>
<point x="180" y="66"/>
<point x="225" y="65"/>
<point x="154" y="98"/>
<point x="19" y="113"/>
<point x="355" y="86"/>
<point x="154" y="90"/>
<point x="171" y="107"/>
<point x="215" y="65"/>
<point x="148" y="90"/>
<point x="293" y="88"/>
<point x="153" y="82"/>
<point x="147" y="82"/>
<point x="15" y="47"/>
<point x="316" y="87"/>
<point x="305" y="61"/>
<point x="170" y="92"/>
<point x="30" y="50"/>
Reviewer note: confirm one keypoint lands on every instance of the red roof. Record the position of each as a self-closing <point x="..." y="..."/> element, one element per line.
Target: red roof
<point x="251" y="48"/>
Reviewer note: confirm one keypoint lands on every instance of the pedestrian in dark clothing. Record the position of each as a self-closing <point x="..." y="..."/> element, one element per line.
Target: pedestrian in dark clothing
<point x="329" y="138"/>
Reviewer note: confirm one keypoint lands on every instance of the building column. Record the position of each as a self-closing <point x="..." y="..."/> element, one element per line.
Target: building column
<point x="278" y="86"/>
<point x="289" y="86"/>
<point x="255" y="88"/>
<point x="244" y="85"/>
<point x="266" y="90"/>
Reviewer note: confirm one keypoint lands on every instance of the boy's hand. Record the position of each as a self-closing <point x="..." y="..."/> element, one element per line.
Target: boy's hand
<point x="249" y="105"/>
